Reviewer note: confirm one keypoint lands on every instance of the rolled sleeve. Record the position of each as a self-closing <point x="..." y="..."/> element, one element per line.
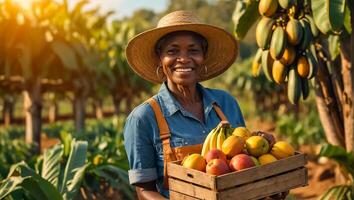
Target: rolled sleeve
<point x="142" y="175"/>
<point x="138" y="142"/>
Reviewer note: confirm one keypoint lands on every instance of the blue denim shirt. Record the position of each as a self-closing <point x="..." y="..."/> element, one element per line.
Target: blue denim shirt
<point x="142" y="138"/>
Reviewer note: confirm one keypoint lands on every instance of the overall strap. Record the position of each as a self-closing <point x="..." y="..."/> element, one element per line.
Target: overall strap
<point x="219" y="112"/>
<point x="165" y="135"/>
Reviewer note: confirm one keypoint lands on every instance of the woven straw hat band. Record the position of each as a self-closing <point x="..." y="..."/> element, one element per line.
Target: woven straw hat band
<point x="178" y="17"/>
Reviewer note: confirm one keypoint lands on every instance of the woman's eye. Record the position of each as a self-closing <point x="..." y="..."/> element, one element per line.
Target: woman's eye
<point x="171" y="51"/>
<point x="195" y="50"/>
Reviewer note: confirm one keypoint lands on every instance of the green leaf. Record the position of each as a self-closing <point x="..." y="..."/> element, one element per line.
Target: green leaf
<point x="66" y="139"/>
<point x="66" y="54"/>
<point x="347" y="18"/>
<point x="333" y="46"/>
<point x="34" y="183"/>
<point x="244" y="16"/>
<point x="75" y="183"/>
<point x="9" y="185"/>
<point x="337" y="192"/>
<point x="73" y="169"/>
<point x="51" y="164"/>
<point x="328" y="15"/>
<point x="340" y="155"/>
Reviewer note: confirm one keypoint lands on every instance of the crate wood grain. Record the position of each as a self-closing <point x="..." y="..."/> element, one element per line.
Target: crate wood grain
<point x="253" y="190"/>
<point x="213" y="182"/>
<point x="252" y="183"/>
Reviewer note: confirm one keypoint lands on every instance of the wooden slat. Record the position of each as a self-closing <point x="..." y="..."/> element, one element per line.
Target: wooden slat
<point x="189" y="175"/>
<point x="260" y="172"/>
<point x="191" y="190"/>
<point x="179" y="196"/>
<point x="268" y="186"/>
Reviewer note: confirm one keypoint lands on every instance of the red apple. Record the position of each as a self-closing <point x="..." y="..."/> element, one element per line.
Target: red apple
<point x="215" y="154"/>
<point x="241" y="161"/>
<point x="217" y="167"/>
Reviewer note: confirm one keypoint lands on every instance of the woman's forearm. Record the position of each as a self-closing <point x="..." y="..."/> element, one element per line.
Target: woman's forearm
<point x="148" y="191"/>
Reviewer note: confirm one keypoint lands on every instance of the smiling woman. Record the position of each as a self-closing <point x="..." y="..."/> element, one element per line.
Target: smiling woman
<point x="181" y="52"/>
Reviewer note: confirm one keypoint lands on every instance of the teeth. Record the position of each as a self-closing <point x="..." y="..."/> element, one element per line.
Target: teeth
<point x="184" y="70"/>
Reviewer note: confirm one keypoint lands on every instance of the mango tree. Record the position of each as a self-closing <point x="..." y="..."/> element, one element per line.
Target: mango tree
<point x="307" y="41"/>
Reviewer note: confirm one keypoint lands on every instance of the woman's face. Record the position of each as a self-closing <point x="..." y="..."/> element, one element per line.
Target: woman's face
<point x="182" y="59"/>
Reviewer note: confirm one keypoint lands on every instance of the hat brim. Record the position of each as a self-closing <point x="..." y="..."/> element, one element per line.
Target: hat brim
<point x="221" y="54"/>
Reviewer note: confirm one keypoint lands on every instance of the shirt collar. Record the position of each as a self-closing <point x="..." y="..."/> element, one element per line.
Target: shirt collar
<point x="169" y="105"/>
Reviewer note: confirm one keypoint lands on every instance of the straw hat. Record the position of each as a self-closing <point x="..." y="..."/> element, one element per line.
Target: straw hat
<point x="221" y="54"/>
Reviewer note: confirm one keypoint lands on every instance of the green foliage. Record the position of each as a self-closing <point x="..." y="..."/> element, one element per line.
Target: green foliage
<point x="340" y="155"/>
<point x="346" y="160"/>
<point x="13" y="149"/>
<point x="52" y="182"/>
<point x="245" y="15"/>
<point x="328" y="15"/>
<point x="304" y="128"/>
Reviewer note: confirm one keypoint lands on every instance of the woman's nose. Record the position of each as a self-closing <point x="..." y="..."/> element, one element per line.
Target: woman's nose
<point x="183" y="57"/>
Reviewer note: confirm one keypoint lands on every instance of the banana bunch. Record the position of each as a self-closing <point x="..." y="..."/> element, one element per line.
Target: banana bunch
<point x="216" y="138"/>
<point x="286" y="37"/>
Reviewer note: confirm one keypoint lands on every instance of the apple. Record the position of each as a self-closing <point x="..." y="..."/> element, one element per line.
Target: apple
<point x="256" y="162"/>
<point x="240" y="162"/>
<point x="257" y="145"/>
<point x="217" y="167"/>
<point x="215" y="154"/>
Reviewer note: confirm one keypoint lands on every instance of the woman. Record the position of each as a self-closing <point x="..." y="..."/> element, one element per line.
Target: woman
<point x="179" y="53"/>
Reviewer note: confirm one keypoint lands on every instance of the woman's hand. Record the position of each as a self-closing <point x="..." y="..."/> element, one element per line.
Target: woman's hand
<point x="147" y="191"/>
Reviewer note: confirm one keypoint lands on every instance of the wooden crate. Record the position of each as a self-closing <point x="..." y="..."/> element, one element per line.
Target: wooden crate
<point x="253" y="183"/>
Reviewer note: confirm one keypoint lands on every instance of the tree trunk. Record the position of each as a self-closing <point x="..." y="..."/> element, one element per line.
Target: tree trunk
<point x="328" y="106"/>
<point x="347" y="56"/>
<point x="33" y="110"/>
<point x="348" y="114"/>
<point x="8" y="111"/>
<point x="98" y="108"/>
<point x="53" y="112"/>
<point x="116" y="103"/>
<point x="79" y="112"/>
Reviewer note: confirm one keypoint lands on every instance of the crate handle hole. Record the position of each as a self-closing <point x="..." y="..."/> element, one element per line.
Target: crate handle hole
<point x="190" y="175"/>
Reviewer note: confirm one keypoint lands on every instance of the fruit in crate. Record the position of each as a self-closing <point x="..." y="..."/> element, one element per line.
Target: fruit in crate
<point x="242" y="132"/>
<point x="256" y="162"/>
<point x="194" y="161"/>
<point x="233" y="145"/>
<point x="217" y="167"/>
<point x="215" y="154"/>
<point x="266" y="158"/>
<point x="240" y="162"/>
<point x="257" y="145"/>
<point x="282" y="149"/>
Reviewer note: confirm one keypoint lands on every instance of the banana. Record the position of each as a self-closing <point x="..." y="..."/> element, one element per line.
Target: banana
<point x="307" y="34"/>
<point x="264" y="32"/>
<point x="294" y="86"/>
<point x="206" y="144"/>
<point x="312" y="60"/>
<point x="314" y="29"/>
<point x="267" y="63"/>
<point x="221" y="138"/>
<point x="277" y="43"/>
<point x="213" y="139"/>
<point x="256" y="64"/>
<point x="305" y="88"/>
